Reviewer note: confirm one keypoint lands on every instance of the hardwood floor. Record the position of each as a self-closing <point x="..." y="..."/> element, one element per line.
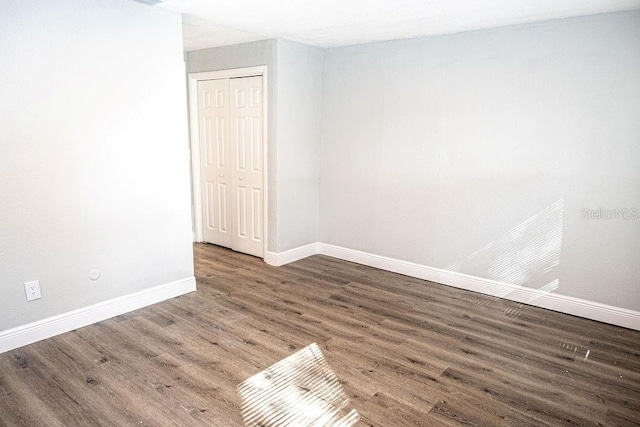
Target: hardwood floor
<point x="408" y="352"/>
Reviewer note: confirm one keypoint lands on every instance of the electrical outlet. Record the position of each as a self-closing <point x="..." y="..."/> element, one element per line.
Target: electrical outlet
<point x="32" y="289"/>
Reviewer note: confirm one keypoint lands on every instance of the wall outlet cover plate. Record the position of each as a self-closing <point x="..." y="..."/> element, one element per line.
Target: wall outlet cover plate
<point x="32" y="290"/>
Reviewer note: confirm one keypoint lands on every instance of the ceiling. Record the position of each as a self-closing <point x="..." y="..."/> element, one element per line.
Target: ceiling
<point x="331" y="23"/>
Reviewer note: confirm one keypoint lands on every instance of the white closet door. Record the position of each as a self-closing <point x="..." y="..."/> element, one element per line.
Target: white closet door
<point x="215" y="156"/>
<point x="230" y="125"/>
<point x="246" y="155"/>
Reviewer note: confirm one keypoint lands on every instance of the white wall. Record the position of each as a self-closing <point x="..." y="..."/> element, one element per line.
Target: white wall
<point x="93" y="154"/>
<point x="299" y="117"/>
<point x="477" y="152"/>
<point x="234" y="56"/>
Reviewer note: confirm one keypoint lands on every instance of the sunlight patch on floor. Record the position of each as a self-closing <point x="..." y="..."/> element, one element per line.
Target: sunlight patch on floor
<point x="299" y="390"/>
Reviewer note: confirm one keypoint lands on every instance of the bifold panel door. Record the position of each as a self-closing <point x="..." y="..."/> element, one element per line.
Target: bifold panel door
<point x="230" y="123"/>
<point x="246" y="154"/>
<point x="213" y="120"/>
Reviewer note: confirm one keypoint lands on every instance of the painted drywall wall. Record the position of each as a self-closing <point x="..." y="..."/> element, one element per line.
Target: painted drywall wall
<point x="299" y="117"/>
<point x="492" y="154"/>
<point x="234" y="56"/>
<point x="242" y="56"/>
<point x="93" y="154"/>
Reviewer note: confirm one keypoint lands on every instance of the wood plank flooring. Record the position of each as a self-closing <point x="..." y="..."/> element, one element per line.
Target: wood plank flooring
<point x="409" y="353"/>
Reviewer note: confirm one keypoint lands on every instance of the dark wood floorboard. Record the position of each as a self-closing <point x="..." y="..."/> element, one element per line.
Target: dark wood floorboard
<point x="409" y="353"/>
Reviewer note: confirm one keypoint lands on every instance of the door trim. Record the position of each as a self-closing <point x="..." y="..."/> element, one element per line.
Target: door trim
<point x="194" y="131"/>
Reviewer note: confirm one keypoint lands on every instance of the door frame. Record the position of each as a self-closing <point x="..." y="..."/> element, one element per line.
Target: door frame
<point x="194" y="131"/>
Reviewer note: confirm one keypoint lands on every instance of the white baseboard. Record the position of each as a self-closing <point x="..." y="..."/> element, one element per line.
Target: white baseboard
<point x="281" y="258"/>
<point x="539" y="298"/>
<point x="49" y="327"/>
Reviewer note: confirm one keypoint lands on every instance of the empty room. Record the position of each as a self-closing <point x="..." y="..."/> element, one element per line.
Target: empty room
<point x="288" y="213"/>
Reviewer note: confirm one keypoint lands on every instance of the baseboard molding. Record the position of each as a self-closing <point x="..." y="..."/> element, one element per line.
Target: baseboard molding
<point x="49" y="327"/>
<point x="539" y="298"/>
<point x="281" y="258"/>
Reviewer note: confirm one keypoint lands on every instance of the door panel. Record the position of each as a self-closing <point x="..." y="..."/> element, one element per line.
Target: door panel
<point x="213" y="119"/>
<point x="246" y="152"/>
<point x="223" y="208"/>
<point x="256" y="201"/>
